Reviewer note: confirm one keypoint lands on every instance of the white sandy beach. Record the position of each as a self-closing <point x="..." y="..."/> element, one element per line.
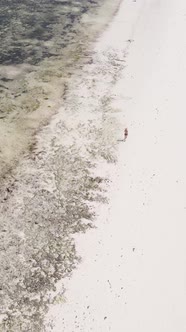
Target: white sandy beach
<point x="133" y="272"/>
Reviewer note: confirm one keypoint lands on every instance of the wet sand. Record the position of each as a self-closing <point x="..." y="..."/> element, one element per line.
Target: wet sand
<point x="32" y="86"/>
<point x="51" y="193"/>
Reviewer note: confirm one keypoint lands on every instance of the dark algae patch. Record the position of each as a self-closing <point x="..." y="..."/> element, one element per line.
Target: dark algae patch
<point x="32" y="30"/>
<point x="53" y="192"/>
<point x="41" y="43"/>
<point x="37" y="249"/>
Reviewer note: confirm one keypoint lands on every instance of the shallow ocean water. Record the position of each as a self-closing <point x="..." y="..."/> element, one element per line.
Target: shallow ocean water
<point x="52" y="192"/>
<point x="32" y="30"/>
<point x="41" y="44"/>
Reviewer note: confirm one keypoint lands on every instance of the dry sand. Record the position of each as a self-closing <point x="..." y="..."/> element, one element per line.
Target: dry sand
<point x="133" y="272"/>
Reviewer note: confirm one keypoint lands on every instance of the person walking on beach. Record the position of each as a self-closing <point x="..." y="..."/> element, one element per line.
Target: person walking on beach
<point x="125" y="134"/>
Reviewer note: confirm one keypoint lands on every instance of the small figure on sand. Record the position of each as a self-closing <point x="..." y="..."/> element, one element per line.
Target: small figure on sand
<point x="125" y="134"/>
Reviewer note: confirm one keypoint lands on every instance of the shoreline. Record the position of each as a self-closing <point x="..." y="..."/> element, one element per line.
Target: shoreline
<point x="46" y="85"/>
<point x="132" y="271"/>
<point x="53" y="193"/>
<point x="72" y="304"/>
